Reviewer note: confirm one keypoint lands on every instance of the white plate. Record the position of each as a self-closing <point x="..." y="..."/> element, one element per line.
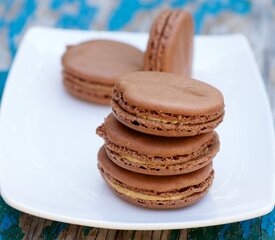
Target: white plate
<point x="49" y="147"/>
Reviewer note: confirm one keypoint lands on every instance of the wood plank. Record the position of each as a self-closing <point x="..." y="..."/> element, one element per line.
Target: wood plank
<point x="183" y="234"/>
<point x="165" y="234"/>
<point x="174" y="234"/>
<point x="120" y="235"/>
<point x="71" y="232"/>
<point x="36" y="226"/>
<point x="25" y="223"/>
<point x="111" y="235"/>
<point x="156" y="235"/>
<point x="138" y="235"/>
<point x="146" y="235"/>
<point x="32" y="229"/>
<point x="101" y="234"/>
<point x="41" y="224"/>
<point x="91" y="234"/>
<point x="129" y="235"/>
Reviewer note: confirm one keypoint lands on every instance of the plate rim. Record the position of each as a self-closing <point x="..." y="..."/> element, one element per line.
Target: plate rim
<point x="138" y="226"/>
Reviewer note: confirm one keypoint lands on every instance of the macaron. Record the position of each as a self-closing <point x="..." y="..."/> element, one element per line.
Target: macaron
<point x="166" y="104"/>
<point x="90" y="68"/>
<point x="155" y="155"/>
<point x="162" y="192"/>
<point x="170" y="45"/>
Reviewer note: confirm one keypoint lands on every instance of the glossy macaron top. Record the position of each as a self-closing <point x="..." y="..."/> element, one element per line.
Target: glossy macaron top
<point x="148" y="182"/>
<point x="101" y="60"/>
<point x="167" y="93"/>
<point x="170" y="45"/>
<point x="118" y="134"/>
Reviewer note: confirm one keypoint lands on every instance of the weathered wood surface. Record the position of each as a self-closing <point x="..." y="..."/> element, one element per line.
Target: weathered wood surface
<point x="252" y="17"/>
<point x="17" y="225"/>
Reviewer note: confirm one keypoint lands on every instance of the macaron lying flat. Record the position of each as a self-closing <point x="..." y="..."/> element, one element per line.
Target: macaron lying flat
<point x="90" y="68"/>
<point x="170" y="45"/>
<point x="155" y="191"/>
<point x="167" y="104"/>
<point x="156" y="155"/>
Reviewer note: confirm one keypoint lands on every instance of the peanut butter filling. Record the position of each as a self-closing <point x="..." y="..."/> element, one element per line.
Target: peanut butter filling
<point x="138" y="195"/>
<point x="154" y="119"/>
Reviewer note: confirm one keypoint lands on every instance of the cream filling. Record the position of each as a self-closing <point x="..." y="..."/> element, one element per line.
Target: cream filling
<point x="157" y="119"/>
<point x="138" y="195"/>
<point x="134" y="160"/>
<point x="161" y="120"/>
<point x="131" y="159"/>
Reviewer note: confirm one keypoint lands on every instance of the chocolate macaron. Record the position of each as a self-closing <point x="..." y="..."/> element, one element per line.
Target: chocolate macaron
<point x="90" y="68"/>
<point x="170" y="45"/>
<point x="155" y="191"/>
<point x="166" y="104"/>
<point x="154" y="155"/>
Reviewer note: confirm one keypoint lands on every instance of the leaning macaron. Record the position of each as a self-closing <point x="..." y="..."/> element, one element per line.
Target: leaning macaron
<point x="163" y="192"/>
<point x="154" y="155"/>
<point x="166" y="104"/>
<point x="170" y="45"/>
<point x="90" y="68"/>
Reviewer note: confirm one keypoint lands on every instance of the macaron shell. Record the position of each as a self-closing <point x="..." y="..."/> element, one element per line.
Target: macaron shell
<point x="88" y="91"/>
<point x="150" y="56"/>
<point x="170" y="46"/>
<point x="86" y="84"/>
<point x="148" y="182"/>
<point x="102" y="61"/>
<point x="177" y="53"/>
<point x="118" y="134"/>
<point x="154" y="155"/>
<point x="169" y="93"/>
<point x="162" y="168"/>
<point x="153" y="191"/>
<point x="162" y="129"/>
<point x="173" y="204"/>
<point x="80" y="92"/>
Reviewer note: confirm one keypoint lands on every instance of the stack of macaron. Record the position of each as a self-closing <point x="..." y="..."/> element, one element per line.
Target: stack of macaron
<point x="159" y="140"/>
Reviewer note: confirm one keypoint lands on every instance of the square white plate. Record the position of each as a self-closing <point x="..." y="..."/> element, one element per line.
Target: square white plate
<point x="49" y="146"/>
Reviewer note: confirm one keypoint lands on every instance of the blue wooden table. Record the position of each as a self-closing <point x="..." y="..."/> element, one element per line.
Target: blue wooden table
<point x="211" y="16"/>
